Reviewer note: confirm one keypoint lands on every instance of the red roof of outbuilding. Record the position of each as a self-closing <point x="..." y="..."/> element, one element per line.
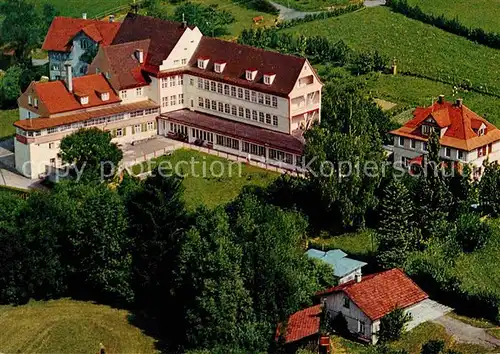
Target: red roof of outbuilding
<point x="380" y="293"/>
<point x="460" y="122"/>
<point x="56" y="98"/>
<point x="63" y="29"/>
<point x="302" y="324"/>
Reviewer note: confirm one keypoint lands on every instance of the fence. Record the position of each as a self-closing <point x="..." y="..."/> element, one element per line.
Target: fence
<point x="270" y="166"/>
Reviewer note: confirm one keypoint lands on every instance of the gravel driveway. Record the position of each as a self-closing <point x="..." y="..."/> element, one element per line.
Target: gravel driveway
<point x="466" y="333"/>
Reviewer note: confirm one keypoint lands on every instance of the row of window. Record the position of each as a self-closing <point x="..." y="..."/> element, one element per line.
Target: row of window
<point x="173" y="100"/>
<point x="139" y="92"/>
<point x="91" y="122"/>
<point x="250" y="148"/>
<point x="460" y="154"/>
<point x="229" y="90"/>
<point x="172" y="81"/>
<point x="136" y="129"/>
<point x="182" y="61"/>
<point x="238" y="111"/>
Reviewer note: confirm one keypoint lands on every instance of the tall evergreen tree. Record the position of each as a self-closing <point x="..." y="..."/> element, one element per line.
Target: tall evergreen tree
<point x="432" y="195"/>
<point x="396" y="233"/>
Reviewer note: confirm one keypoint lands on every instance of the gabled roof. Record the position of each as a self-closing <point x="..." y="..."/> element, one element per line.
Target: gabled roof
<point x="64" y="29"/>
<point x="56" y="98"/>
<point x="163" y="35"/>
<point x="240" y="58"/>
<point x="380" y="293"/>
<point x="124" y="67"/>
<point x="302" y="324"/>
<point x="460" y="122"/>
<point x="338" y="260"/>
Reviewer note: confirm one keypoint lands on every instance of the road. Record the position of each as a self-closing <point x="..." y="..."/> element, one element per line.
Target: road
<point x="8" y="174"/>
<point x="466" y="333"/>
<point x="287" y="13"/>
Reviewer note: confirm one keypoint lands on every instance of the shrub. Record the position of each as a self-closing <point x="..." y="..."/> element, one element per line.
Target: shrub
<point x="472" y="233"/>
<point x="432" y="347"/>
<point x="339" y="324"/>
<point x="393" y="325"/>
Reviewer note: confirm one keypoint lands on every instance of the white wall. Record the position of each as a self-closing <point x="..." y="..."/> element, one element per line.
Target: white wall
<point x="26" y="113"/>
<point x="184" y="49"/>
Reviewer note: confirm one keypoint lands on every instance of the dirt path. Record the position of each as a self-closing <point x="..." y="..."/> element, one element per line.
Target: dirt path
<point x="466" y="333"/>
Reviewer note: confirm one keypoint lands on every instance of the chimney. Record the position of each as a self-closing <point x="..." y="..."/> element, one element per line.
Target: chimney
<point x="139" y="53"/>
<point x="358" y="277"/>
<point x="441" y="99"/>
<point x="459" y="102"/>
<point x="69" y="77"/>
<point x="84" y="15"/>
<point x="111" y="18"/>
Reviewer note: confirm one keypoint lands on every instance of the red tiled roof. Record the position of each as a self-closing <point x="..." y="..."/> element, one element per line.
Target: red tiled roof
<point x="460" y="122"/>
<point x="63" y="29"/>
<point x="164" y="35"/>
<point x="302" y="324"/>
<point x="124" y="68"/>
<point x="240" y="58"/>
<point x="251" y="133"/>
<point x="56" y="98"/>
<point x="39" y="123"/>
<point x="378" y="294"/>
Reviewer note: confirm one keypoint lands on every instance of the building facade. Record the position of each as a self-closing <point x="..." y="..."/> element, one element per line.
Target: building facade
<point x="75" y="41"/>
<point x="465" y="137"/>
<point x="238" y="99"/>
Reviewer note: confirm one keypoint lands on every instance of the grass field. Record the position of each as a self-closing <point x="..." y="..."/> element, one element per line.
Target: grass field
<point x="211" y="189"/>
<point x="67" y="326"/>
<point x="7" y="117"/>
<point x="419" y="48"/>
<point x="359" y="243"/>
<point x="471" y="13"/>
<point x="75" y="8"/>
<point x="311" y="5"/>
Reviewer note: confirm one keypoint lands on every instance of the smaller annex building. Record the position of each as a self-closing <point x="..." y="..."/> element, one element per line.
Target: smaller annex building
<point x="364" y="301"/>
<point x="344" y="269"/>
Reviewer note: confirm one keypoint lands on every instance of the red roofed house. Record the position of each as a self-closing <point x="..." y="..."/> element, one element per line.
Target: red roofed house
<point x="69" y="38"/>
<point x="464" y="136"/>
<point x="51" y="110"/>
<point x="241" y="100"/>
<point x="302" y="329"/>
<point x="364" y="301"/>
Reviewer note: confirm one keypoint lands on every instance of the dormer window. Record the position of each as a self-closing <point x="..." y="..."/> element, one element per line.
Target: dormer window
<point x="250" y="74"/>
<point x="481" y="131"/>
<point x="84" y="100"/>
<point x="35" y="102"/>
<point x="104" y="96"/>
<point x="269" y="78"/>
<point x="219" y="66"/>
<point x="203" y="63"/>
<point x="426" y="129"/>
<point x="139" y="54"/>
<point x="30" y="100"/>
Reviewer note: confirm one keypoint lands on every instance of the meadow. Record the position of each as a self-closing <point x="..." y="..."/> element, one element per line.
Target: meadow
<point x="203" y="188"/>
<point x="471" y="13"/>
<point x="68" y="326"/>
<point x="311" y="5"/>
<point x="419" y="48"/>
<point x="93" y="8"/>
<point x="7" y="117"/>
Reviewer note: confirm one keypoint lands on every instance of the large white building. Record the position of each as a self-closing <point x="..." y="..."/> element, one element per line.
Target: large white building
<point x="166" y="78"/>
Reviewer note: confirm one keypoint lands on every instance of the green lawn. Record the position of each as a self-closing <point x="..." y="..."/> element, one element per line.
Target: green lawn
<point x="311" y="5"/>
<point x="67" y="326"/>
<point x="471" y="13"/>
<point x="419" y="48"/>
<point x="206" y="188"/>
<point x="7" y="117"/>
<point x="358" y="243"/>
<point x="413" y="91"/>
<point x="75" y="8"/>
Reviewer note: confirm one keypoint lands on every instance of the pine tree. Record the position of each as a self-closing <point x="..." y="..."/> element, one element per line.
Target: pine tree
<point x="396" y="232"/>
<point x="432" y="196"/>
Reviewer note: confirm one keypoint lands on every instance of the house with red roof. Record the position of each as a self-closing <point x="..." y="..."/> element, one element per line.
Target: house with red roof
<point x="465" y="136"/>
<point x="365" y="300"/>
<point x="70" y="40"/>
